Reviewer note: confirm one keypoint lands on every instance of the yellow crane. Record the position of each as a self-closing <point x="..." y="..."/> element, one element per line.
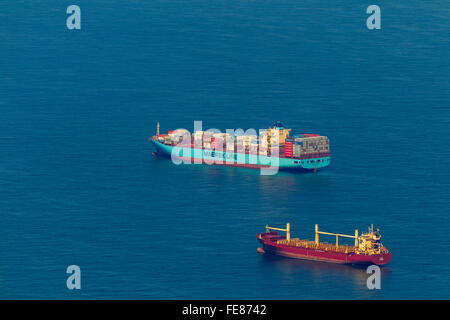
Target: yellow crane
<point x="337" y="236"/>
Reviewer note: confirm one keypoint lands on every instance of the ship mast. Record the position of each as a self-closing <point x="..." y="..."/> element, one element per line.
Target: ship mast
<point x="157" y="129"/>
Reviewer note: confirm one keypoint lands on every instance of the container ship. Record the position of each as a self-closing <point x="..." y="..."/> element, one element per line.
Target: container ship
<point x="367" y="249"/>
<point x="304" y="152"/>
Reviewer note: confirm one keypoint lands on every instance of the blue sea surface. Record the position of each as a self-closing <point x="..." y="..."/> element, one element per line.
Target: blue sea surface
<point x="79" y="186"/>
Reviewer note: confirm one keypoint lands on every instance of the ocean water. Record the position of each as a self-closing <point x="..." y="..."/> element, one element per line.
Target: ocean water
<point x="79" y="186"/>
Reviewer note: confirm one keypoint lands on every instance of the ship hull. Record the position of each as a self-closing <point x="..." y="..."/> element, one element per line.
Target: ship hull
<point x="228" y="158"/>
<point x="321" y="255"/>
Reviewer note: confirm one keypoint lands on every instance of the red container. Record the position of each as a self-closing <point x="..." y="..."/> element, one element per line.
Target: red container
<point x="288" y="146"/>
<point x="288" y="154"/>
<point x="309" y="135"/>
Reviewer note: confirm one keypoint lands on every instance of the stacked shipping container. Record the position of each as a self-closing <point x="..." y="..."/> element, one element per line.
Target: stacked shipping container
<point x="303" y="146"/>
<point x="306" y="145"/>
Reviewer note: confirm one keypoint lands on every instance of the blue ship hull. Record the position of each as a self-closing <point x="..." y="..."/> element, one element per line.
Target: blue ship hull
<point x="210" y="156"/>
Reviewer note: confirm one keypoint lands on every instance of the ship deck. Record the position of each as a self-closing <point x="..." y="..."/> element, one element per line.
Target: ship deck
<point x="274" y="237"/>
<point x="281" y="151"/>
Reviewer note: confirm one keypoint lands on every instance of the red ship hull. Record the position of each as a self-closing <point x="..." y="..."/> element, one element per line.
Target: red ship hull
<point x="270" y="245"/>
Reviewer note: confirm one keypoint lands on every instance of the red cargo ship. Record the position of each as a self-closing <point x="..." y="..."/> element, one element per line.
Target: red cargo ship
<point x="367" y="249"/>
